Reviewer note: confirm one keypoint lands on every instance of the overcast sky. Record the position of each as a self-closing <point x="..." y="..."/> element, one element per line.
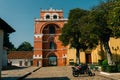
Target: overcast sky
<point x="20" y="14"/>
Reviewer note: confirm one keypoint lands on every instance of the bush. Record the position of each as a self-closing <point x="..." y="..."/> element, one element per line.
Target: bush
<point x="112" y="68"/>
<point x="100" y="62"/>
<point x="105" y="62"/>
<point x="104" y="68"/>
<point x="118" y="67"/>
<point x="109" y="68"/>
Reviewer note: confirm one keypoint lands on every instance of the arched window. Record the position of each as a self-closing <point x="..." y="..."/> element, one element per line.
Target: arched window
<point x="52" y="45"/>
<point x="47" y="16"/>
<point x="55" y="17"/>
<point x="51" y="29"/>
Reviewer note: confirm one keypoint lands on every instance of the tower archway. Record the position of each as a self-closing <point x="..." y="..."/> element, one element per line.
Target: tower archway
<point x="52" y="60"/>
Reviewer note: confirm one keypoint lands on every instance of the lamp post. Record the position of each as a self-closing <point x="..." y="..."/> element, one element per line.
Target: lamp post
<point x="116" y="49"/>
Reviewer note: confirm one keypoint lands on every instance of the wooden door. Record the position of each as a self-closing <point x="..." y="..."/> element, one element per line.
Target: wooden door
<point x="88" y="58"/>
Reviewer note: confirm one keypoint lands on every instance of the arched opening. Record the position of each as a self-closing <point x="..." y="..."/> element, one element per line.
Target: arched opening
<point x="55" y="17"/>
<point x="51" y="29"/>
<point x="47" y="16"/>
<point x="52" y="60"/>
<point x="52" y="45"/>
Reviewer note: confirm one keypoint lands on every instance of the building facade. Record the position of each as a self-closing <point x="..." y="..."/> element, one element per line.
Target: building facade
<point x="20" y="58"/>
<point x="4" y="28"/>
<point x="97" y="54"/>
<point x="48" y="50"/>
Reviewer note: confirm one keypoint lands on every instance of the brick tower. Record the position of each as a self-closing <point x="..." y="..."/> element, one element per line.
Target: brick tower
<point x="48" y="50"/>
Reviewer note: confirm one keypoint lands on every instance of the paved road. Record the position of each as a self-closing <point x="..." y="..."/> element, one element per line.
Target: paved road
<point x="60" y="73"/>
<point x="15" y="74"/>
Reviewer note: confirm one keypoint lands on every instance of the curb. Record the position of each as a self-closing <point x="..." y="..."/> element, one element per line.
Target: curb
<point x="104" y="73"/>
<point x="107" y="77"/>
<point x="28" y="74"/>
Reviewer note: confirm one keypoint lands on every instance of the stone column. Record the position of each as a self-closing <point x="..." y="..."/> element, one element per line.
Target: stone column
<point x="1" y="50"/>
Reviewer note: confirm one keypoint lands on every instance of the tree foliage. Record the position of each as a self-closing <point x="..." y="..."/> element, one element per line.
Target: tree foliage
<point x="102" y="29"/>
<point x="25" y="46"/>
<point x="114" y="18"/>
<point x="76" y="32"/>
<point x="85" y="29"/>
<point x="7" y="43"/>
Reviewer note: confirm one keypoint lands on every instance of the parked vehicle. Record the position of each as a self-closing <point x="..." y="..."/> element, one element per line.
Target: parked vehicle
<point x="81" y="69"/>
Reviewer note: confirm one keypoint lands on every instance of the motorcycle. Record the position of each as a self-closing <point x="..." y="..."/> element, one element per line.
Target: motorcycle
<point x="81" y="69"/>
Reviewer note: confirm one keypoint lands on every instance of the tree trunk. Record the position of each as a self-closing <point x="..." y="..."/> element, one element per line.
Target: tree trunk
<point x="109" y="54"/>
<point x="77" y="56"/>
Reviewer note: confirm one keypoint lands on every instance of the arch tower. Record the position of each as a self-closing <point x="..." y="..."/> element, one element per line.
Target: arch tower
<point x="48" y="50"/>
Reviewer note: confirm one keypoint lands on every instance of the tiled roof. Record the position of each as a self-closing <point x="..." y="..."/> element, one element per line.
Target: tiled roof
<point x="20" y="55"/>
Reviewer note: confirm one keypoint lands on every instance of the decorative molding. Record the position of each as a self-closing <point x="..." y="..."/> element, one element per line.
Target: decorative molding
<point x="51" y="9"/>
<point x="38" y="35"/>
<point x="64" y="56"/>
<point x="63" y="19"/>
<point x="37" y="56"/>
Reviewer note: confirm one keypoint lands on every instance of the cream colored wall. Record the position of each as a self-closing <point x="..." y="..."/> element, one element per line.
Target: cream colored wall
<point x="82" y="57"/>
<point x="96" y="53"/>
<point x="71" y="54"/>
<point x="115" y="44"/>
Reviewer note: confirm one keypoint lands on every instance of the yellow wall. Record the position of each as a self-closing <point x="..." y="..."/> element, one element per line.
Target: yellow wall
<point x="97" y="53"/>
<point x="71" y="54"/>
<point x="115" y="44"/>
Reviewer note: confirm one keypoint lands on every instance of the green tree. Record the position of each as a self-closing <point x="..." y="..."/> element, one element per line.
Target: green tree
<point x="100" y="15"/>
<point x="114" y="18"/>
<point x="72" y="32"/>
<point x="7" y="43"/>
<point x="25" y="46"/>
<point x="87" y="32"/>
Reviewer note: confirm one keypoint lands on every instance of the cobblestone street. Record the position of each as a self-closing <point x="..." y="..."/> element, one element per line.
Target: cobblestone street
<point x="61" y="73"/>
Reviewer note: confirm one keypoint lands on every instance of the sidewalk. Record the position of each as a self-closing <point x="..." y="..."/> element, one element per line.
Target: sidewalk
<point x="113" y="76"/>
<point x="17" y="74"/>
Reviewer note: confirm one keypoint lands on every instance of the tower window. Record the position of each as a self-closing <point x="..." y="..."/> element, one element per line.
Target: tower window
<point x="55" y="17"/>
<point x="52" y="45"/>
<point x="52" y="29"/>
<point x="47" y="16"/>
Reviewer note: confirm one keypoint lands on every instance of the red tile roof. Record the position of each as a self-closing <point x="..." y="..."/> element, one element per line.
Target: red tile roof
<point x="20" y="55"/>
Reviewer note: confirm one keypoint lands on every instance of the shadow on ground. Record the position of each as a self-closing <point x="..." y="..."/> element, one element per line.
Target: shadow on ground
<point x="9" y="78"/>
<point x="12" y="68"/>
<point x="49" y="78"/>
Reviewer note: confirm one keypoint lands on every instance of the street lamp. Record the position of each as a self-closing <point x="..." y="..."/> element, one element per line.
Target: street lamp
<point x="116" y="49"/>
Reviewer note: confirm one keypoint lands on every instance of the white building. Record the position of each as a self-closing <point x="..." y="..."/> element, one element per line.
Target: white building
<point x="4" y="27"/>
<point x="21" y="58"/>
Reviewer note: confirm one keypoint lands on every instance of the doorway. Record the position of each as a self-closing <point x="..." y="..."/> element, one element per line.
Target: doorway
<point x="88" y="58"/>
<point x="52" y="60"/>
